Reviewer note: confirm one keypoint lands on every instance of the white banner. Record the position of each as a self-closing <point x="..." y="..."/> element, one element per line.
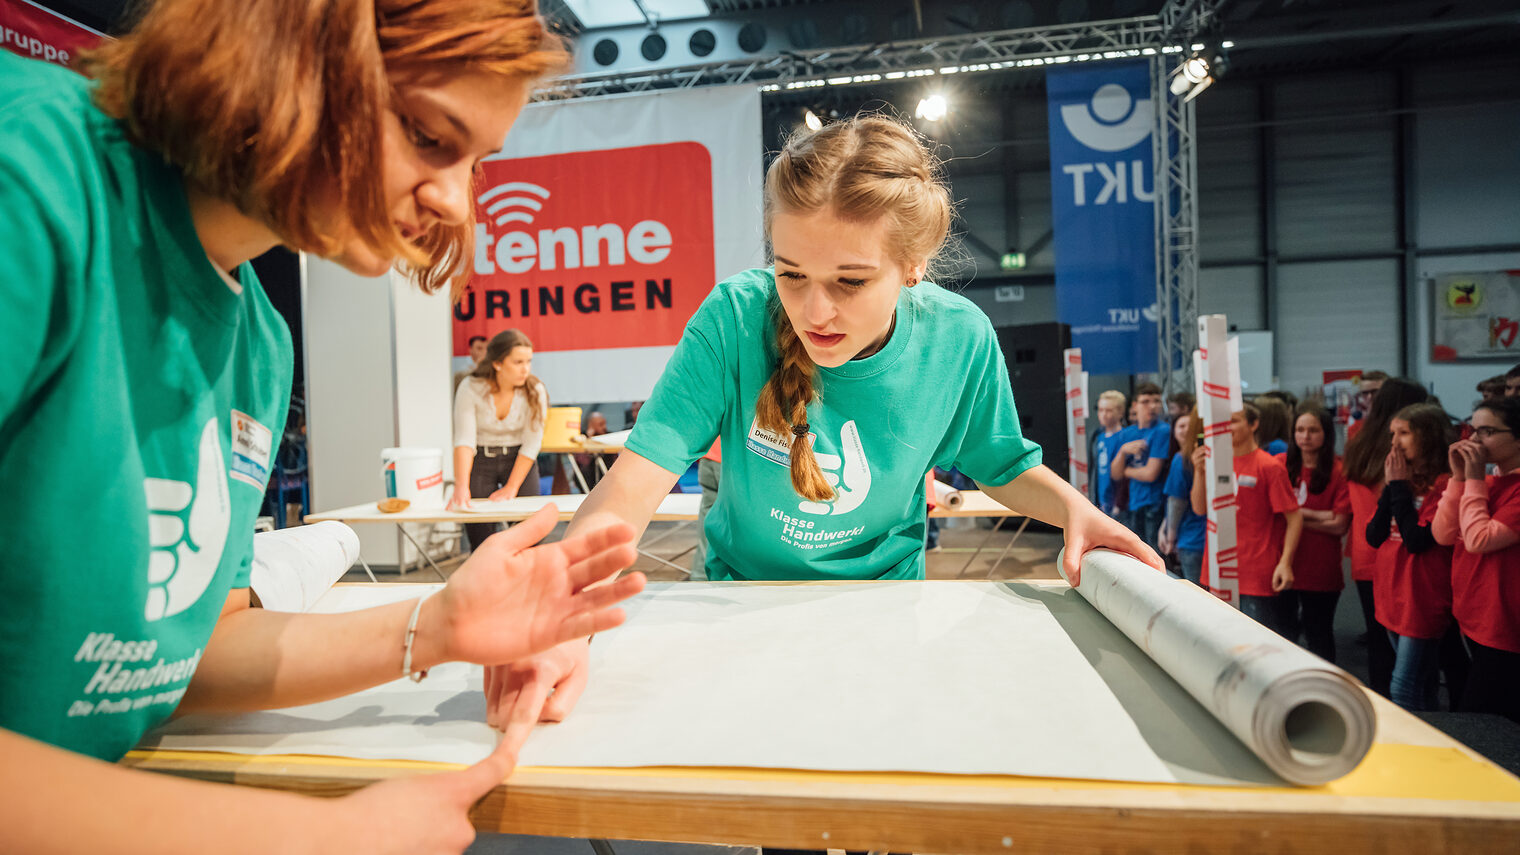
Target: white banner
<point x="1076" y="419"/>
<point x="602" y="226"/>
<point x="1218" y="397"/>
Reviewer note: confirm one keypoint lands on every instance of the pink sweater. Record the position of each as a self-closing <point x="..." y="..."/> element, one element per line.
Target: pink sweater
<point x="1464" y="512"/>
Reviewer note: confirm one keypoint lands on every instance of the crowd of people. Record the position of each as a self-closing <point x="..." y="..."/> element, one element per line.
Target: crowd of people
<point x="1426" y="506"/>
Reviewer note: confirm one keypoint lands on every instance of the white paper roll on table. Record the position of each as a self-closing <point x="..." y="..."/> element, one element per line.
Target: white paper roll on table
<point x="947" y="496"/>
<point x="1308" y="720"/>
<point x="293" y="567"/>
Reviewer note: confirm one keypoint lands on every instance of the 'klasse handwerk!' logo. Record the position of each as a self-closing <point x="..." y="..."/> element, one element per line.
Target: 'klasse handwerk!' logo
<point x="1112" y="122"/>
<point x="608" y="248"/>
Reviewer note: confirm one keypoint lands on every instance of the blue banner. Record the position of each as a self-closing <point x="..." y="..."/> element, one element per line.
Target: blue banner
<point x="1102" y="192"/>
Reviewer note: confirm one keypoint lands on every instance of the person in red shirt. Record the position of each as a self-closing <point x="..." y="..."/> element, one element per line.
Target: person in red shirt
<point x="1320" y="485"/>
<point x="1480" y="516"/>
<point x="1413" y="580"/>
<point x="1363" y="465"/>
<point x="1267" y="522"/>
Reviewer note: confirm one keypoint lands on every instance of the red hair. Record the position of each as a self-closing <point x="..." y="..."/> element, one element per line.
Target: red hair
<point x="271" y="104"/>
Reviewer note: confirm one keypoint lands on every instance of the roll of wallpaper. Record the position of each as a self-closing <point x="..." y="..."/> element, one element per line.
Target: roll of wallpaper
<point x="1308" y="720"/>
<point x="946" y="496"/>
<point x="293" y="567"/>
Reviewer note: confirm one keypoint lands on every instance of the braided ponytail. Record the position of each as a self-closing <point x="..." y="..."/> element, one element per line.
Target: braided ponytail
<point x="782" y="408"/>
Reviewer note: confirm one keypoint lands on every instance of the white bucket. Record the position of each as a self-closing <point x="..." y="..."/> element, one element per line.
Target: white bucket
<point x="414" y="474"/>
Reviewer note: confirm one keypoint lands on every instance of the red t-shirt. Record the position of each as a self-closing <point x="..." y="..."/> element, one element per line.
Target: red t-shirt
<point x="1317" y="563"/>
<point x="1262" y="495"/>
<point x="1412" y="593"/>
<point x="1364" y="501"/>
<point x="1486" y="588"/>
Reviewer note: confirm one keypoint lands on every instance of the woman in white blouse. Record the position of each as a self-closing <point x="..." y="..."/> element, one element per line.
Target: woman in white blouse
<point x="498" y="427"/>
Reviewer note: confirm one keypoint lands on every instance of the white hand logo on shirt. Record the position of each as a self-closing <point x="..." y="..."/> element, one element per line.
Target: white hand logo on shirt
<point x="184" y="559"/>
<point x="850" y="477"/>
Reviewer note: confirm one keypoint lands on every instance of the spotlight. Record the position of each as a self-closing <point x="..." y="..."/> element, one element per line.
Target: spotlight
<point x="812" y="121"/>
<point x="1197" y="73"/>
<point x="932" y="108"/>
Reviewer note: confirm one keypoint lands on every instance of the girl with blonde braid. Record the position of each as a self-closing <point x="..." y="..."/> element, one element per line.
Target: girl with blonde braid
<point x="835" y="379"/>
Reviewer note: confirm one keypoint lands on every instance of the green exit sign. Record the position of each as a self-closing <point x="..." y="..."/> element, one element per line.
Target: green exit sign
<point x="1012" y="261"/>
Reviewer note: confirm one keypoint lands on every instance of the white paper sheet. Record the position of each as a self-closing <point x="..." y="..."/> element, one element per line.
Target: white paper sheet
<point x="916" y="676"/>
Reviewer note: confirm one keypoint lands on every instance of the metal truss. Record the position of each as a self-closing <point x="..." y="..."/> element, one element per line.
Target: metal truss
<point x="1175" y="157"/>
<point x="887" y="61"/>
<point x="1163" y="38"/>
<point x="1174" y="148"/>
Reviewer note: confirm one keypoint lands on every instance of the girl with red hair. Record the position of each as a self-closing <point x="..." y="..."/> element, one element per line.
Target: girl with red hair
<point x="145" y="361"/>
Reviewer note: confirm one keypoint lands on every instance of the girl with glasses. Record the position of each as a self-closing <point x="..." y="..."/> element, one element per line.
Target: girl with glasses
<point x="1480" y="517"/>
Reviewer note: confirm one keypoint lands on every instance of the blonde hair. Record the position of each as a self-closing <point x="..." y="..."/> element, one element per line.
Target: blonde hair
<point x="859" y="170"/>
<point x="276" y="103"/>
<point x="1115" y="397"/>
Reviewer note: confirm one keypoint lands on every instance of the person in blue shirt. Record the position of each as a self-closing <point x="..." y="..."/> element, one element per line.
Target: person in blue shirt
<point x="836" y="379"/>
<point x="1183" y="531"/>
<point x="1105" y="444"/>
<point x="1141" y="461"/>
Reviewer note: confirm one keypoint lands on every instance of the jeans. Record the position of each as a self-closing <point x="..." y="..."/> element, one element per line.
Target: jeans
<point x="1415" y="660"/>
<point x="1146" y="522"/>
<point x="707" y="475"/>
<point x="1313" y="614"/>
<point x="488" y="474"/>
<point x="1192" y="565"/>
<point x="1270" y="612"/>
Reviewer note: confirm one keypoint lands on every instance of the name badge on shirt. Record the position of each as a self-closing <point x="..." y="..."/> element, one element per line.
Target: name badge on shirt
<point x="1245" y="481"/>
<point x="252" y="444"/>
<point x="775" y="447"/>
<point x="1303" y="491"/>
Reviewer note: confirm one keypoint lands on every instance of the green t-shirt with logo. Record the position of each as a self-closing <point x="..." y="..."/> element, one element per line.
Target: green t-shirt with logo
<point x="936" y="395"/>
<point x="139" y="407"/>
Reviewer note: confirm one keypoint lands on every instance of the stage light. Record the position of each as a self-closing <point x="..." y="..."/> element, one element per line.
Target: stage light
<point x="812" y="121"/>
<point x="932" y="108"/>
<point x="1197" y="73"/>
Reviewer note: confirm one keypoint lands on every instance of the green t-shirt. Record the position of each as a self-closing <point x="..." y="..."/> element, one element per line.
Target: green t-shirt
<point x="138" y="409"/>
<point x="936" y="395"/>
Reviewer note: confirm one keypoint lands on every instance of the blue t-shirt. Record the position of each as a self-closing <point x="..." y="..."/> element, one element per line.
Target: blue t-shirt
<point x="1179" y="484"/>
<point x="1105" y="447"/>
<point x="937" y="394"/>
<point x="1158" y="440"/>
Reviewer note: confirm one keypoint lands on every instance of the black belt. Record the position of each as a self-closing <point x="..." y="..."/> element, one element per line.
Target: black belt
<point x="496" y="450"/>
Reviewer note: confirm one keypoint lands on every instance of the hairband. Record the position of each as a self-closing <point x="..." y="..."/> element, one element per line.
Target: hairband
<point x="800" y="431"/>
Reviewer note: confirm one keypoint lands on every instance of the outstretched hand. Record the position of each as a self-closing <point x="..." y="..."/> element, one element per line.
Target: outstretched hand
<point x="513" y="599"/>
<point x="1087" y="528"/>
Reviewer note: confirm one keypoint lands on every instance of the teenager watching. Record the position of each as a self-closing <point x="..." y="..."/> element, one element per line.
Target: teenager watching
<point x="1363" y="464"/>
<point x="1413" y="576"/>
<point x="1319" y="483"/>
<point x="1267" y="522"/>
<point x="1480" y="516"/>
<point x="1141" y="461"/>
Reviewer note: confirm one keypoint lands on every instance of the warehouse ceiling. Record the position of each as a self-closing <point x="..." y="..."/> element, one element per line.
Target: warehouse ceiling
<point x="1269" y="35"/>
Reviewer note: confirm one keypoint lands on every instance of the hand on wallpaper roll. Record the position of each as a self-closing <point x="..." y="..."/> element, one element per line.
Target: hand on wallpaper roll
<point x="1308" y="720"/>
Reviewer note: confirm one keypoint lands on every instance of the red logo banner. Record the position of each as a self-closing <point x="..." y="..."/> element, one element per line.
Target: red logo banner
<point x="590" y="250"/>
<point x="31" y="30"/>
